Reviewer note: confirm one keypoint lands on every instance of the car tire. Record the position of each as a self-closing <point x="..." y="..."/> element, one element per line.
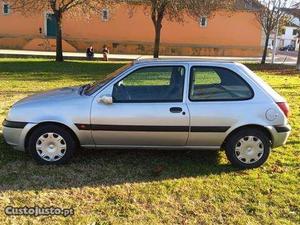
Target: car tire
<point x="248" y="148"/>
<point x="52" y="145"/>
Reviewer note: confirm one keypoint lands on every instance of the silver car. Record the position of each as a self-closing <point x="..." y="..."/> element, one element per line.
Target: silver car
<point x="155" y="104"/>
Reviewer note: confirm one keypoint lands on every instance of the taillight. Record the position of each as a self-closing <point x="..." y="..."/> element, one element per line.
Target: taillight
<point x="284" y="106"/>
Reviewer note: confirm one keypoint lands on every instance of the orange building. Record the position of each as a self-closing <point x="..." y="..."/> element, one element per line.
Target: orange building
<point x="226" y="34"/>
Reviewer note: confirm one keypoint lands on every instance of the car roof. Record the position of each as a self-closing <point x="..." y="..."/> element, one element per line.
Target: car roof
<point x="181" y="60"/>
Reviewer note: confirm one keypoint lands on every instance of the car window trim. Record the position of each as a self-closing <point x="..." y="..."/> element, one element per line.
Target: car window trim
<point x="152" y="101"/>
<point x="219" y="100"/>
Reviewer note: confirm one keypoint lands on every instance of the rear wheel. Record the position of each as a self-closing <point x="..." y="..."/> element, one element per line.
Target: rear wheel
<point x="52" y="144"/>
<point x="249" y="148"/>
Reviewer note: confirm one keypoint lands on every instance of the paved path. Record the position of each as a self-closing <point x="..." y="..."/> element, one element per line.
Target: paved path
<point x="280" y="59"/>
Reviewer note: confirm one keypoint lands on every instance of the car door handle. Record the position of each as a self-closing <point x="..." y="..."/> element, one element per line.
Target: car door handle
<point x="175" y="110"/>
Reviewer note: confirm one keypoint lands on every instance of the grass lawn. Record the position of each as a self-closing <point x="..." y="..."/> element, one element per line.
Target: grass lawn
<point x="146" y="187"/>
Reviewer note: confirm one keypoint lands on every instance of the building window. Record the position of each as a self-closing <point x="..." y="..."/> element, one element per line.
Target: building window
<point x="6" y="9"/>
<point x="295" y="32"/>
<point x="203" y="21"/>
<point x="105" y="15"/>
<point x="248" y="4"/>
<point x="284" y="31"/>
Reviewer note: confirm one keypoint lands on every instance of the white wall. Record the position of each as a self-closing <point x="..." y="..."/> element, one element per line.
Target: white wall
<point x="288" y="37"/>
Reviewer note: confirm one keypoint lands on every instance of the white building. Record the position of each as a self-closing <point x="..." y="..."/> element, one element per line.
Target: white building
<point x="289" y="36"/>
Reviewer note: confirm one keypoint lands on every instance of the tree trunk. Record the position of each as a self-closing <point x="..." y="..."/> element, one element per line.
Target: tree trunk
<point x="264" y="57"/>
<point x="157" y="18"/>
<point x="298" y="62"/>
<point x="59" y="50"/>
<point x="158" y="27"/>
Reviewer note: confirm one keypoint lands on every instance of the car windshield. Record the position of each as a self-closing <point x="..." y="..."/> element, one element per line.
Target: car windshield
<point x="92" y="88"/>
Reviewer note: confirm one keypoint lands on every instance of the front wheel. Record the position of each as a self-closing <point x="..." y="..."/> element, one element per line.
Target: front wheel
<point x="51" y="145"/>
<point x="249" y="148"/>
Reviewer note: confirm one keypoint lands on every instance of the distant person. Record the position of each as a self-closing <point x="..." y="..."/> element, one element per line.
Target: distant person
<point x="105" y="52"/>
<point x="90" y="53"/>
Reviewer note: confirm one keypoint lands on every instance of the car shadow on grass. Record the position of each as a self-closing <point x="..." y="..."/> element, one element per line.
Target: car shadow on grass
<point x="94" y="168"/>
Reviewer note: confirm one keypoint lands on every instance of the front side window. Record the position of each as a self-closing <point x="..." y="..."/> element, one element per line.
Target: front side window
<point x="217" y="84"/>
<point x="151" y="84"/>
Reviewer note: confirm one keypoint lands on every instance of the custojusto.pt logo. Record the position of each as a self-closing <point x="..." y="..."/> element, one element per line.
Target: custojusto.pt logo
<point x="38" y="211"/>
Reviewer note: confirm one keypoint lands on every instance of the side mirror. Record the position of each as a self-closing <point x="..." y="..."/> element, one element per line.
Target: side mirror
<point x="107" y="100"/>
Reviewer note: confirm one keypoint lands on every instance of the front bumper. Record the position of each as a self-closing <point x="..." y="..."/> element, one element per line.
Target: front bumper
<point x="15" y="133"/>
<point x="280" y="134"/>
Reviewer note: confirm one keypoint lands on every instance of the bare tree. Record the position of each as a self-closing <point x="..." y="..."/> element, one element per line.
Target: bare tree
<point x="270" y="15"/>
<point x="59" y="8"/>
<point x="176" y="10"/>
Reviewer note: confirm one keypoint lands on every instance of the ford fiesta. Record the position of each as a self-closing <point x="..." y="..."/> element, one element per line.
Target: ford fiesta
<point x="155" y="104"/>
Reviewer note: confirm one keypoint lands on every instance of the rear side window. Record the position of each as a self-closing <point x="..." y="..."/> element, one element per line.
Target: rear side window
<point x="217" y="84"/>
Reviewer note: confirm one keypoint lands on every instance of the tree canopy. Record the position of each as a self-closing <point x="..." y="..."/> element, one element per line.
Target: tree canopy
<point x="177" y="10"/>
<point x="59" y="8"/>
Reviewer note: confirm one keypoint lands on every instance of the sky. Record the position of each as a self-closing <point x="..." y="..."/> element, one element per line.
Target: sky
<point x="293" y="2"/>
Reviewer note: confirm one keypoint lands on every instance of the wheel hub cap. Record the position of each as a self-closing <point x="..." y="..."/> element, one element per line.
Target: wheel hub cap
<point x="51" y="147"/>
<point x="249" y="149"/>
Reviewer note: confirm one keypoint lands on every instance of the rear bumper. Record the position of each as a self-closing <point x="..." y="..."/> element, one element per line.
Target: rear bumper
<point x="283" y="129"/>
<point x="280" y="134"/>
<point x="15" y="133"/>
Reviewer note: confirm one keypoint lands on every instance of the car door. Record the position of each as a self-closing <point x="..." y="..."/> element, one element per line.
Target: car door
<point x="217" y="99"/>
<point x="147" y="109"/>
